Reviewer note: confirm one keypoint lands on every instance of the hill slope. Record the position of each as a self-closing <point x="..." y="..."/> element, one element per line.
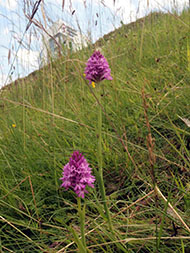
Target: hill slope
<point x="52" y="112"/>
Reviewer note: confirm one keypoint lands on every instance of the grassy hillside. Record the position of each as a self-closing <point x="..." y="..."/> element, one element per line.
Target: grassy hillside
<point x="52" y="112"/>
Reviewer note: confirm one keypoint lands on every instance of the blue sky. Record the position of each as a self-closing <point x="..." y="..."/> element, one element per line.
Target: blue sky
<point x="94" y="17"/>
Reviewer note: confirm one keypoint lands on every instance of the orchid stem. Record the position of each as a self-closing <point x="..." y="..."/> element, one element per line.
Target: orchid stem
<point x="81" y="213"/>
<point x="100" y="173"/>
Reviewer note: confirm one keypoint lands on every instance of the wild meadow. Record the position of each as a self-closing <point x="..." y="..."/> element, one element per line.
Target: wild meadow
<point x="141" y="141"/>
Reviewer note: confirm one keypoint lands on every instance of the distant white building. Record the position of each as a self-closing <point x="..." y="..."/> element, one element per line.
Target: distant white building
<point x="60" y="39"/>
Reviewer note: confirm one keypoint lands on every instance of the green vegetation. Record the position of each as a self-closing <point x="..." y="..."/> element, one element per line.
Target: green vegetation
<point x="52" y="112"/>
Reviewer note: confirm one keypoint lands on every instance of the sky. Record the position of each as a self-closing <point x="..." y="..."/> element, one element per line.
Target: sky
<point x="19" y="50"/>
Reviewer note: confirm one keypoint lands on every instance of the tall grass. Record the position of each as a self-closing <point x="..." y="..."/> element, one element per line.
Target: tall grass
<point x="52" y="112"/>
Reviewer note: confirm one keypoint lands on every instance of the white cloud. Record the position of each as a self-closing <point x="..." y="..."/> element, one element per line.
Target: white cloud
<point x="9" y="4"/>
<point x="5" y="31"/>
<point x="129" y="10"/>
<point x="2" y="79"/>
<point x="28" y="59"/>
<point x="125" y="9"/>
<point x="163" y="5"/>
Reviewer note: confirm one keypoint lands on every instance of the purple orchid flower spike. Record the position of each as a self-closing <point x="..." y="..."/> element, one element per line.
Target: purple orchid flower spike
<point x="97" y="68"/>
<point x="77" y="175"/>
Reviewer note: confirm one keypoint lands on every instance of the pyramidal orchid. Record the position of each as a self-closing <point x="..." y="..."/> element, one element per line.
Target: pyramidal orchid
<point x="77" y="174"/>
<point x="97" y="68"/>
